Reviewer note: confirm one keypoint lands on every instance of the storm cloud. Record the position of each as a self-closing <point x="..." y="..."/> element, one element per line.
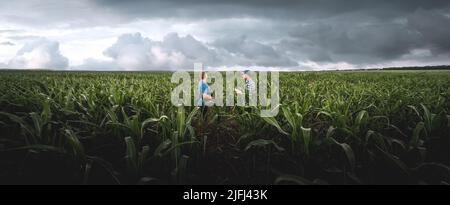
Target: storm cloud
<point x="281" y="9"/>
<point x="170" y="34"/>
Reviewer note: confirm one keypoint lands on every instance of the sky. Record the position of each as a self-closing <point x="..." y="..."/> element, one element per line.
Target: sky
<point x="232" y="34"/>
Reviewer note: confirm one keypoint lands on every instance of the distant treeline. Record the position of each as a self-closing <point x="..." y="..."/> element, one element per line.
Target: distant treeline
<point x="439" y="67"/>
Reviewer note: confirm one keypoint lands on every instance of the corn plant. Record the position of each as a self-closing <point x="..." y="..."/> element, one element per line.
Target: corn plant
<point x="333" y="127"/>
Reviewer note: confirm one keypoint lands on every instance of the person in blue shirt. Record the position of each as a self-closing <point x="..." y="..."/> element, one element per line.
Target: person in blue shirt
<point x="205" y="94"/>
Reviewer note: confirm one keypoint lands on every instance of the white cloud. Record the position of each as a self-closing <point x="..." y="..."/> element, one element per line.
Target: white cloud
<point x="133" y="51"/>
<point x="311" y="65"/>
<point x="97" y="64"/>
<point x="40" y="53"/>
<point x="7" y="43"/>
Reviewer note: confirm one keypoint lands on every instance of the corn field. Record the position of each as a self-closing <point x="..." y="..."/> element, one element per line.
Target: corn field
<point x="352" y="127"/>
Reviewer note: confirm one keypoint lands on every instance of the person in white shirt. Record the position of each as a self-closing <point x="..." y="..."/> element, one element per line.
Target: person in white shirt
<point x="249" y="84"/>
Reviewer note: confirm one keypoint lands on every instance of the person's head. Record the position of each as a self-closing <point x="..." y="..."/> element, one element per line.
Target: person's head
<point x="246" y="74"/>
<point x="203" y="75"/>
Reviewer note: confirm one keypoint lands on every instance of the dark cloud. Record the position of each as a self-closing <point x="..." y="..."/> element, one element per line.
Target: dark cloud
<point x="266" y="8"/>
<point x="434" y="29"/>
<point x="344" y="40"/>
<point x="86" y="13"/>
<point x="283" y="33"/>
<point x="359" y="39"/>
<point x="246" y="52"/>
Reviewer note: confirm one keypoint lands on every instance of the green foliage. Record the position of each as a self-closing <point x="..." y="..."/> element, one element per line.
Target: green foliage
<point x="333" y="128"/>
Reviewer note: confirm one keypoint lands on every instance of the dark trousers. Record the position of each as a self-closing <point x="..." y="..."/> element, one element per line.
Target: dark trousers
<point x="204" y="110"/>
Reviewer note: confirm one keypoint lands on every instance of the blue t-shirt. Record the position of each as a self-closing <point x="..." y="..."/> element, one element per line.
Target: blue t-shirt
<point x="202" y="88"/>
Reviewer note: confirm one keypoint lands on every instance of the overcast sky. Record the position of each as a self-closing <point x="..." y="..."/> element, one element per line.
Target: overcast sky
<point x="255" y="34"/>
